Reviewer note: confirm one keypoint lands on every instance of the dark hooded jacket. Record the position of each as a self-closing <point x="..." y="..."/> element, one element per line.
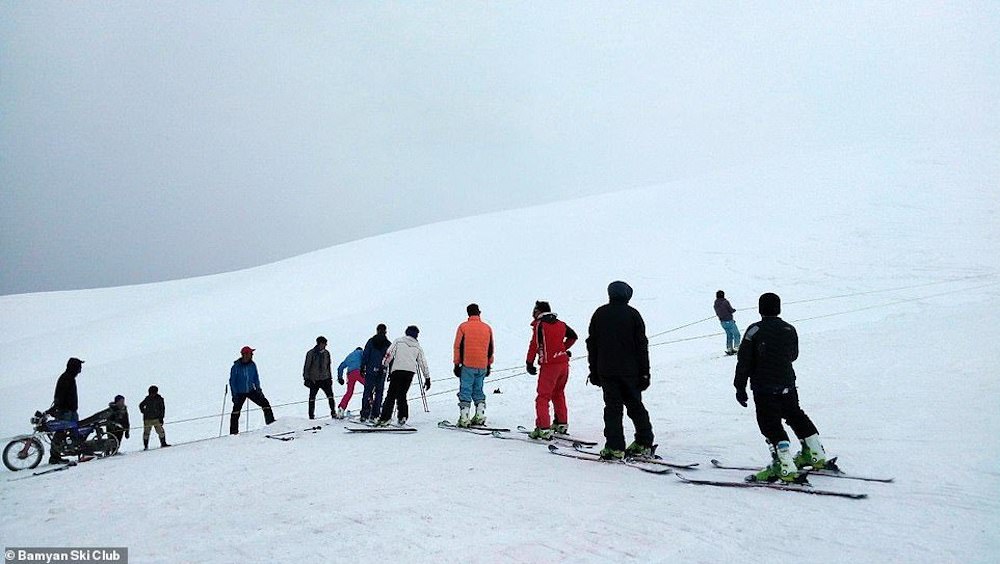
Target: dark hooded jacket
<point x="152" y="407"/>
<point x="617" y="343"/>
<point x="371" y="357"/>
<point x="65" y="397"/>
<point x="767" y="352"/>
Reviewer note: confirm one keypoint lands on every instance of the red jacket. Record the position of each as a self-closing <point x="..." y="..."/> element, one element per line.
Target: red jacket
<point x="550" y="339"/>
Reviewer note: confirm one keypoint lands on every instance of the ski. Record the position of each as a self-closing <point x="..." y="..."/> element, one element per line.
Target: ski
<point x="277" y="438"/>
<point x="519" y="437"/>
<point x="381" y="429"/>
<point x="447" y="423"/>
<point x="473" y="430"/>
<point x="802" y="488"/>
<point x="568" y="438"/>
<point x="57" y="468"/>
<point x="648" y="460"/>
<point x="284" y="435"/>
<point x="831" y="472"/>
<point x="595" y="458"/>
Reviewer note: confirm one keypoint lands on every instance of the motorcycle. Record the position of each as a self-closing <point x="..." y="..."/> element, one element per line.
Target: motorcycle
<point x="68" y="437"/>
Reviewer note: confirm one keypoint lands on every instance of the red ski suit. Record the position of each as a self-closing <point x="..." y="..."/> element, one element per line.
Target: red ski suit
<point x="550" y="341"/>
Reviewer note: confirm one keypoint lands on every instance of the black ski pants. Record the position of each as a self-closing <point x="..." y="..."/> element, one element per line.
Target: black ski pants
<point x="623" y="392"/>
<point x="773" y="406"/>
<point x="399" y="386"/>
<point x="258" y="398"/>
<point x="314" y="388"/>
<point x="371" y="397"/>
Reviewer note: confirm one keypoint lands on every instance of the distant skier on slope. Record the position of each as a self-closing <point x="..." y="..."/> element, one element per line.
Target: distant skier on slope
<point x="373" y="374"/>
<point x="473" y="358"/>
<point x="724" y="311"/>
<point x="550" y="341"/>
<point x="316" y="375"/>
<point x="618" y="352"/>
<point x="352" y="363"/>
<point x="765" y="359"/>
<point x="244" y="384"/>
<point x="403" y="360"/>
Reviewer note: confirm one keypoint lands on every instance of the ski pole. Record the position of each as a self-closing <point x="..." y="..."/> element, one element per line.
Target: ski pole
<point x="222" y="416"/>
<point x="423" y="394"/>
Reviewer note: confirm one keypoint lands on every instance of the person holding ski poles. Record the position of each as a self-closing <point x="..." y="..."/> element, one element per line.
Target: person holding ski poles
<point x="404" y="359"/>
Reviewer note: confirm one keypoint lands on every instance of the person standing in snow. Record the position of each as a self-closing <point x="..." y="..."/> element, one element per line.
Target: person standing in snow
<point x="353" y="366"/>
<point x="244" y="384"/>
<point x="373" y="374"/>
<point x="724" y="311"/>
<point x="550" y="343"/>
<point x="618" y="353"/>
<point x="403" y="360"/>
<point x="65" y="405"/>
<point x="473" y="357"/>
<point x="153" y="411"/>
<point x="765" y="359"/>
<point x="316" y="375"/>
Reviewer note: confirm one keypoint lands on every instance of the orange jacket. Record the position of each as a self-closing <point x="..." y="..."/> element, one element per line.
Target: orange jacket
<point x="474" y="344"/>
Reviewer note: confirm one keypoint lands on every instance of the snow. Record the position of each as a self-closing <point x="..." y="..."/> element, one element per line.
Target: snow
<point x="885" y="260"/>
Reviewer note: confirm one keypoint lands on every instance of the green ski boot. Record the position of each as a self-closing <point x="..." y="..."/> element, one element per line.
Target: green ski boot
<point x="541" y="434"/>
<point x="612" y="454"/>
<point x="636" y="449"/>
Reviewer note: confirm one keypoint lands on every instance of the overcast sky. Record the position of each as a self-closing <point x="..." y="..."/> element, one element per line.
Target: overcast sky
<point x="143" y="141"/>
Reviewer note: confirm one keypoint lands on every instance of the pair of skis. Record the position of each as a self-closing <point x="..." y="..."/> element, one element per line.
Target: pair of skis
<point x="831" y="470"/>
<point x="285" y="436"/>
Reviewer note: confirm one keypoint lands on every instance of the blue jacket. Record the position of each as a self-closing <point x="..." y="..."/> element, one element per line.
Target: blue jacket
<point x="243" y="377"/>
<point x="351" y="363"/>
<point x="375" y="349"/>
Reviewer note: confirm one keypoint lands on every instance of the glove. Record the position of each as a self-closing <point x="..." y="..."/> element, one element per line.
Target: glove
<point x="594" y="379"/>
<point x="530" y="367"/>
<point x="488" y="368"/>
<point x="126" y="434"/>
<point x="643" y="382"/>
<point x="741" y="397"/>
<point x="569" y="354"/>
<point x="427" y="383"/>
<point x="458" y="370"/>
<point x="161" y="421"/>
<point x="340" y="380"/>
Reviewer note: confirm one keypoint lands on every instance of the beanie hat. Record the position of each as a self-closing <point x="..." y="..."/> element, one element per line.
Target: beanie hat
<point x="720" y="294"/>
<point x="769" y="305"/>
<point x="153" y="390"/>
<point x="320" y="339"/>
<point x="543" y="307"/>
<point x="412" y="331"/>
<point x="472" y="309"/>
<point x="619" y="291"/>
<point x="119" y="397"/>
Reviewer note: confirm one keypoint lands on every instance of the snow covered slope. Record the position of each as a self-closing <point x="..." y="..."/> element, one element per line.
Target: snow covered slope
<point x="885" y="259"/>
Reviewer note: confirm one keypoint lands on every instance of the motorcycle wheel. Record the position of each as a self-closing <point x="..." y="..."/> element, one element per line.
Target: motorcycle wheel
<point x="111" y="446"/>
<point x="23" y="454"/>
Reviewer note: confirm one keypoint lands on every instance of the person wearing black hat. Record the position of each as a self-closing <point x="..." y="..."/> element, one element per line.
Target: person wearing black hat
<point x="618" y="353"/>
<point x="767" y="352"/>
<point x="317" y="375"/>
<point x="404" y="359"/>
<point x="550" y="341"/>
<point x="153" y="411"/>
<point x="373" y="374"/>
<point x="244" y="384"/>
<point x="65" y="404"/>
<point x="724" y="311"/>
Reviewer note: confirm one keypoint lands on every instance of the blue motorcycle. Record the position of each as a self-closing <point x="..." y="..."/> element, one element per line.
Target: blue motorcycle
<point x="89" y="437"/>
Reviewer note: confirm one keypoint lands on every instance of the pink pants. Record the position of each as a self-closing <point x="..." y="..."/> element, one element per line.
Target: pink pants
<point x="353" y="377"/>
<point x="551" y="389"/>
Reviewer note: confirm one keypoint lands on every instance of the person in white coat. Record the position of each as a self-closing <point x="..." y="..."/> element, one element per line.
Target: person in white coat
<point x="403" y="360"/>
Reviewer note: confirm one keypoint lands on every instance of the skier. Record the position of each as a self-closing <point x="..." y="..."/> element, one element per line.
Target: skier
<point x="316" y="376"/>
<point x="618" y="353"/>
<point x="373" y="374"/>
<point x="244" y="383"/>
<point x="402" y="361"/>
<point x="550" y="343"/>
<point x="153" y="412"/>
<point x="765" y="359"/>
<point x="473" y="357"/>
<point x="724" y="311"/>
<point x="353" y="366"/>
<point x="65" y="405"/>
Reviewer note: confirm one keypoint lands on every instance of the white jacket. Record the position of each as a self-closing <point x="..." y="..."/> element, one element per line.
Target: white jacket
<point x="405" y="354"/>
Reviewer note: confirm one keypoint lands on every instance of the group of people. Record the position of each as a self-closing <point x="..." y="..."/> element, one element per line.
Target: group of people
<point x="618" y="358"/>
<point x="65" y="405"/>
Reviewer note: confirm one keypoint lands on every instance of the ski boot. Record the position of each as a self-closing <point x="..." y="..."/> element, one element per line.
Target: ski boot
<point x="812" y="454"/>
<point x="560" y="428"/>
<point x="341" y="413"/>
<point x="145" y="444"/>
<point x="382" y="423"/>
<point x="608" y="453"/>
<point x="541" y="434"/>
<point x="782" y="467"/>
<point x="480" y="417"/>
<point x="401" y="421"/>
<point x="637" y="450"/>
<point x="463" y="417"/>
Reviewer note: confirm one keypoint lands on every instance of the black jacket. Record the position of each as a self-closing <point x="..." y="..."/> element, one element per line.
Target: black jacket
<point x="617" y="343"/>
<point x="767" y="352"/>
<point x="152" y="407"/>
<point x="65" y="398"/>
